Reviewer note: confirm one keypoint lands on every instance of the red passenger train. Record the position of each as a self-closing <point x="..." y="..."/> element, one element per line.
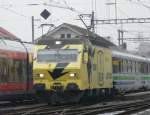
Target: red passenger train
<point x="15" y="70"/>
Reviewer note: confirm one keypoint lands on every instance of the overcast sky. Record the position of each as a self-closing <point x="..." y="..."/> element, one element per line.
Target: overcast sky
<point x="15" y="16"/>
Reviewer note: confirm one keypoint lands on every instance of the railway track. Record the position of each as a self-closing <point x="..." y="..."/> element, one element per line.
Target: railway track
<point x="36" y="110"/>
<point x="6" y="104"/>
<point x="44" y="109"/>
<point x="20" y="109"/>
<point x="120" y="108"/>
<point x="117" y="107"/>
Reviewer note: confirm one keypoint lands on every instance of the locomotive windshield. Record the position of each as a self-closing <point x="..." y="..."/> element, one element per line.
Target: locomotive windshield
<point x="61" y="55"/>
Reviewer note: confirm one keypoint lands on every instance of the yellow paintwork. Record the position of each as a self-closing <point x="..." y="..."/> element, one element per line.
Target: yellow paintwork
<point x="95" y="80"/>
<point x="103" y="67"/>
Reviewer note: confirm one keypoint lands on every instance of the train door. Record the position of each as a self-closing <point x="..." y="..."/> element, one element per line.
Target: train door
<point x="100" y="71"/>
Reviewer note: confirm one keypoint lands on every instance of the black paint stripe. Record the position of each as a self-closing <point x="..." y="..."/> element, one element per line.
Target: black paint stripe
<point x="58" y="70"/>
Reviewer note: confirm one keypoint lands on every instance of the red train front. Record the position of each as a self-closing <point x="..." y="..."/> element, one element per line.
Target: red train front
<point x="15" y="70"/>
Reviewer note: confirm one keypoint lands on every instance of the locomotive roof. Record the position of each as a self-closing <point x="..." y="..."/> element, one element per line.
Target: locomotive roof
<point x="129" y="56"/>
<point x="81" y="40"/>
<point x="52" y="43"/>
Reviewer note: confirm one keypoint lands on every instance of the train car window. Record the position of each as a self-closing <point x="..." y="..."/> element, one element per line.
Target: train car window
<point x="133" y="67"/>
<point x="139" y="67"/>
<point x="131" y="62"/>
<point x="1" y="69"/>
<point x="148" y="68"/>
<point x="115" y="64"/>
<point x="25" y="69"/>
<point x="18" y="70"/>
<point x="136" y="67"/>
<point x="129" y="67"/>
<point x="120" y="64"/>
<point x="4" y="70"/>
<point x="142" y="68"/>
<point x="11" y="71"/>
<point x="145" y="68"/>
<point x="124" y="66"/>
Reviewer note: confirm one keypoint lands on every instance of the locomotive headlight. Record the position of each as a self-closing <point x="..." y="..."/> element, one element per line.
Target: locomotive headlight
<point x="72" y="75"/>
<point x="41" y="75"/>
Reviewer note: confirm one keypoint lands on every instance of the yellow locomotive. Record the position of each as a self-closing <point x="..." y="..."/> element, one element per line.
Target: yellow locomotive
<point x="69" y="69"/>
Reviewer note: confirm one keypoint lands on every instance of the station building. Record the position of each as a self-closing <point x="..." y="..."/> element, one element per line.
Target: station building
<point x="69" y="31"/>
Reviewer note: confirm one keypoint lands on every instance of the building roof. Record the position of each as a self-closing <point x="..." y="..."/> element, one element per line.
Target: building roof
<point x="94" y="38"/>
<point x="7" y="35"/>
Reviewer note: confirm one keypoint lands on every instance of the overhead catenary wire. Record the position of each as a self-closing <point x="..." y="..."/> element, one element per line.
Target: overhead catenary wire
<point x="18" y="14"/>
<point x="140" y="3"/>
<point x="14" y="12"/>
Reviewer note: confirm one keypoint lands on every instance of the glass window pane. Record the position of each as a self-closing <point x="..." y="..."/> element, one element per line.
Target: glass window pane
<point x="62" y="55"/>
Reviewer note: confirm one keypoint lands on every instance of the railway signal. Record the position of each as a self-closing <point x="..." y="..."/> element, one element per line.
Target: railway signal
<point x="45" y="14"/>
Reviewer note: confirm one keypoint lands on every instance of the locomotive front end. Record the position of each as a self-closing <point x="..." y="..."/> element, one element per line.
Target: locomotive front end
<point x="58" y="71"/>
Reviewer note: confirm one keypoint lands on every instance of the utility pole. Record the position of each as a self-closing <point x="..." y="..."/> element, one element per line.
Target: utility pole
<point x="33" y="29"/>
<point x="116" y="10"/>
<point x="92" y="26"/>
<point x="120" y="37"/>
<point x="122" y="32"/>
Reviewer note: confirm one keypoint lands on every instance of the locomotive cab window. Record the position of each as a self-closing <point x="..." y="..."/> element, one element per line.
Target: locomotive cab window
<point x="61" y="55"/>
